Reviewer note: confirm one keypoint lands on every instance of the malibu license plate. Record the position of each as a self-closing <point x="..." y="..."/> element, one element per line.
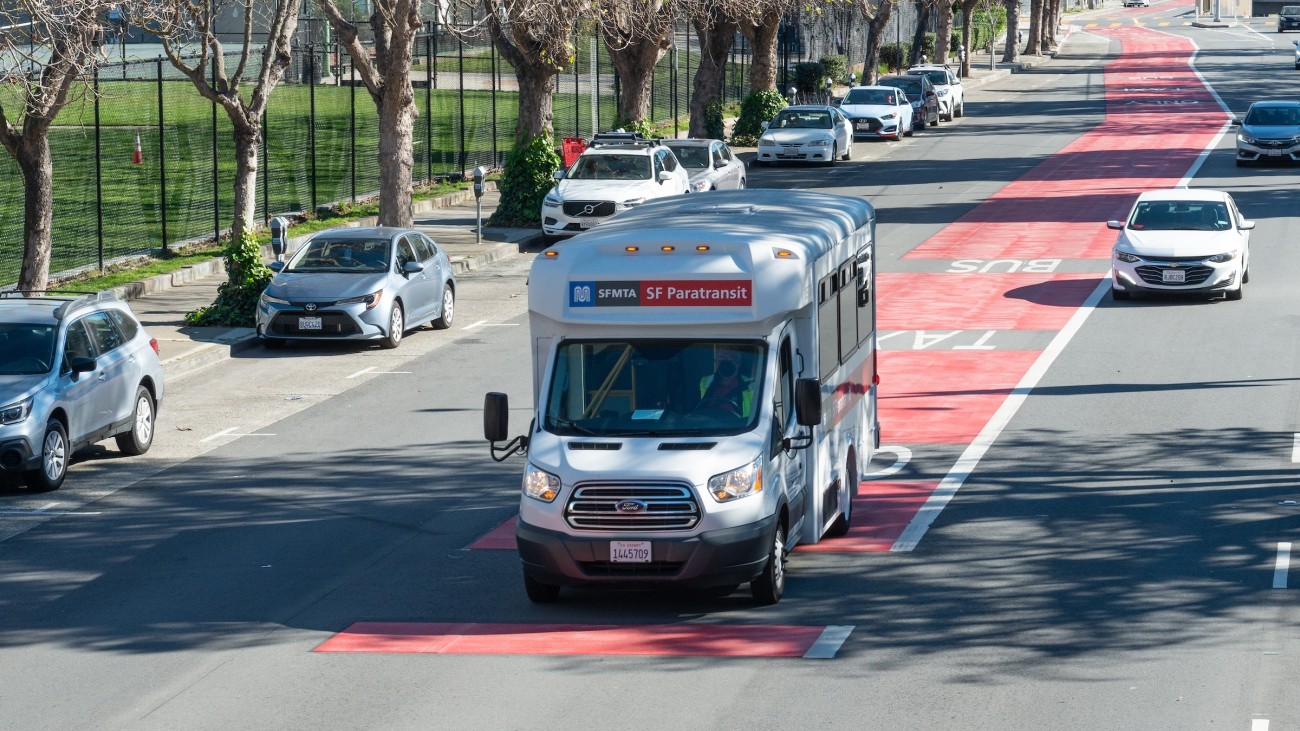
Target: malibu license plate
<point x="1174" y="276"/>
<point x="629" y="551"/>
<point x="309" y="323"/>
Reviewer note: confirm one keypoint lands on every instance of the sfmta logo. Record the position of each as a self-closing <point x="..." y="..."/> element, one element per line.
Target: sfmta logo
<point x="580" y="295"/>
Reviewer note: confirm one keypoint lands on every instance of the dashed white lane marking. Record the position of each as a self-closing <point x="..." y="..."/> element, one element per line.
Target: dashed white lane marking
<point x="231" y="432"/>
<point x="1259" y="724"/>
<point x="485" y="323"/>
<point x="1295" y="447"/>
<point x="902" y="455"/>
<point x="829" y="642"/>
<point x="1282" y="566"/>
<point x="371" y="370"/>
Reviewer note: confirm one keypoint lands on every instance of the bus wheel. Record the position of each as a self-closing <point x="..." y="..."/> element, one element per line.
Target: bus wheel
<point x="770" y="585"/>
<point x="842" y="523"/>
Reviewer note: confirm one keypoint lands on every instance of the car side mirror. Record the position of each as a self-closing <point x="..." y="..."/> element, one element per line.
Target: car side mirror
<point x="1117" y="225"/>
<point x="765" y="123"/>
<point x="808" y="401"/>
<point x="1246" y="225"/>
<point x="558" y="175"/>
<point x="1235" y="122"/>
<point x="665" y="176"/>
<point x="412" y="267"/>
<point x="82" y="365"/>
<point x="276" y="266"/>
<point x="719" y="163"/>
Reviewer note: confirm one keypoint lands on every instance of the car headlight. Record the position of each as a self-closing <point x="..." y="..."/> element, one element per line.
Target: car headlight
<point x="1221" y="258"/>
<point x="699" y="186"/>
<point x="14" y="413"/>
<point x="369" y="299"/>
<point x="632" y="202"/>
<point x="888" y="117"/>
<point x="943" y="93"/>
<point x="765" y="142"/>
<point x="270" y="300"/>
<point x="540" y="484"/>
<point x="1127" y="257"/>
<point x="820" y="143"/>
<point x="737" y="483"/>
<point x="1245" y="138"/>
<point x="553" y="198"/>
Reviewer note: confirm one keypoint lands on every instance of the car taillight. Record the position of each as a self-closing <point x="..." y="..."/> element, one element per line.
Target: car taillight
<point x="153" y="343"/>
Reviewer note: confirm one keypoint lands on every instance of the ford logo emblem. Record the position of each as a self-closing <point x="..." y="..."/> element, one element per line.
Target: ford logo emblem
<point x="630" y="506"/>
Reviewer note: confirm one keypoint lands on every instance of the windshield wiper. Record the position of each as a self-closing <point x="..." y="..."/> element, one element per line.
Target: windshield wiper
<point x="568" y="424"/>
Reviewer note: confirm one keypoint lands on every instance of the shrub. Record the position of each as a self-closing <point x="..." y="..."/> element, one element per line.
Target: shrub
<point x="713" y="119"/>
<point x="757" y="108"/>
<point x="525" y="179"/>
<point x="808" y="77"/>
<point x="247" y="276"/>
<point x="895" y="55"/>
<point x="836" y="67"/>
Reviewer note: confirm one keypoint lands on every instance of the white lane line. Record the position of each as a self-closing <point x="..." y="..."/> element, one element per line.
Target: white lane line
<point x="362" y="372"/>
<point x="829" y="643"/>
<point x="1282" y="565"/>
<point x="1259" y="724"/>
<point x="902" y="455"/>
<point x="971" y="457"/>
<point x="471" y="326"/>
<point x="218" y="435"/>
<point x="1295" y="447"/>
<point x="39" y="513"/>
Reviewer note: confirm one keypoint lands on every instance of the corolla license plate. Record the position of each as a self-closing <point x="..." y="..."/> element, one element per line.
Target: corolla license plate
<point x="309" y="323"/>
<point x="1174" y="276"/>
<point x="629" y="551"/>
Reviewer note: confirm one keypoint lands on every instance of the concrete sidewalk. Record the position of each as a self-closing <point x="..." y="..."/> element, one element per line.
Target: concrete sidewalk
<point x="162" y="302"/>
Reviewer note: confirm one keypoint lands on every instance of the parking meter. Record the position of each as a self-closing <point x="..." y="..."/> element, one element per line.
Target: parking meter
<point x="279" y="237"/>
<point x="792" y="91"/>
<point x="479" y="174"/>
<point x="853" y="78"/>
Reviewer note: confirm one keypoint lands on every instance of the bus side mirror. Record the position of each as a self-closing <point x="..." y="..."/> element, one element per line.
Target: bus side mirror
<point x="808" y="401"/>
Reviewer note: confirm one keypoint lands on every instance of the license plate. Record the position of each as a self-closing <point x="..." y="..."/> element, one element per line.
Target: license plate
<point x="863" y="125"/>
<point x="629" y="551"/>
<point x="1174" y="276"/>
<point x="587" y="224"/>
<point x="1275" y="153"/>
<point x="309" y="323"/>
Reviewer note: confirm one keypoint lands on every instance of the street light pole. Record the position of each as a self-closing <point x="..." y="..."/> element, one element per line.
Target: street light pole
<point x="898" y="43"/>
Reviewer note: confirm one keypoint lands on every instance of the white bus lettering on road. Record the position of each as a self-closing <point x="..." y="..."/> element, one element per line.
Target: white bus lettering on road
<point x="1009" y="266"/>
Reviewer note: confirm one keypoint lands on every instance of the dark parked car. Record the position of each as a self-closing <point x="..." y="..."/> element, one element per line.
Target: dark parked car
<point x="1288" y="18"/>
<point x="921" y="93"/>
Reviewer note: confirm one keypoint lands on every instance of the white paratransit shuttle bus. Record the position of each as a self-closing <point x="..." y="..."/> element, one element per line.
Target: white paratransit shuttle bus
<point x="705" y="377"/>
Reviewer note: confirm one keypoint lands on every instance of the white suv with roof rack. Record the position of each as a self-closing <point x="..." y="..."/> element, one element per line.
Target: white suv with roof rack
<point x="74" y="370"/>
<point x="946" y="82"/>
<point x="618" y="171"/>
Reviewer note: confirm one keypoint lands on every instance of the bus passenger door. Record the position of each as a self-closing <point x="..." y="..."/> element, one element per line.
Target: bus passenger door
<point x="788" y="464"/>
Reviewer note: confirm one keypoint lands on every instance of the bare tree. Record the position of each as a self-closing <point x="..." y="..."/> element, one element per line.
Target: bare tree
<point x="942" y="31"/>
<point x="967" y="13"/>
<point x="48" y="72"/>
<point x="185" y="26"/>
<point x="760" y="23"/>
<point x="387" y="76"/>
<point x="1011" y="49"/>
<point x="637" y="33"/>
<point x="1035" y="44"/>
<point x="715" y="30"/>
<point x="877" y="14"/>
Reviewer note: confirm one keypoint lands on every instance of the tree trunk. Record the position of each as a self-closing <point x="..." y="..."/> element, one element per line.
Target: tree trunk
<point x="762" y="41"/>
<point x="943" y="31"/>
<point x="1051" y="23"/>
<point x="715" y="44"/>
<point x="635" y="63"/>
<point x="875" y="36"/>
<point x="535" y="111"/>
<point x="1035" y="45"/>
<point x="248" y="141"/>
<point x="967" y="12"/>
<point x="1011" y="51"/>
<point x="923" y="8"/>
<point x="38" y="209"/>
<point x="396" y="153"/>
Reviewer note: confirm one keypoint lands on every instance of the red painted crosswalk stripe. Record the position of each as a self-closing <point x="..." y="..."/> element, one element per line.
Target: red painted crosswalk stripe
<point x="683" y="640"/>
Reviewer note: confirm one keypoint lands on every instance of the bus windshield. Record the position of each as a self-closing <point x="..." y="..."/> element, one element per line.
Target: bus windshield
<point x="655" y="387"/>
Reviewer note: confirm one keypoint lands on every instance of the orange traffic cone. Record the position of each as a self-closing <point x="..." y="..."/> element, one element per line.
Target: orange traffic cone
<point x="137" y="155"/>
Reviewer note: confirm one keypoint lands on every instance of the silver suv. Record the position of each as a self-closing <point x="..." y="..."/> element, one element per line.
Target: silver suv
<point x="74" y="370"/>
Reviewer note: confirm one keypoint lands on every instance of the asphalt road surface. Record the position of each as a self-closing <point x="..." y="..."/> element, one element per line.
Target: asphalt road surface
<point x="1077" y="520"/>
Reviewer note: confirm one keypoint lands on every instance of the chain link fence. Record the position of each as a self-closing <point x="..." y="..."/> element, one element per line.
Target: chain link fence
<point x="143" y="163"/>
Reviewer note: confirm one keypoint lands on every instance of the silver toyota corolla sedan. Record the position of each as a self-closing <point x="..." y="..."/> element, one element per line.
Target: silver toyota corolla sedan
<point x="358" y="284"/>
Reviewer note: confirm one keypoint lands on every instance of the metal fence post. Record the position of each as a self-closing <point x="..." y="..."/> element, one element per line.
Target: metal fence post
<point x="266" y="169"/>
<point x="352" y="126"/>
<point x="428" y="107"/>
<point x="460" y="63"/>
<point x="216" y="169"/>
<point x="162" y="161"/>
<point x="577" y="93"/>
<point x="99" y="180"/>
<point x="495" y="83"/>
<point x="311" y="118"/>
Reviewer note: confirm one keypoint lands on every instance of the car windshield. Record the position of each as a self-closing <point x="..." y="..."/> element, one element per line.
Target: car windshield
<point x="801" y="119"/>
<point x="1180" y="216"/>
<point x="655" y="387"/>
<point x="911" y="87"/>
<point x="1273" y="116"/>
<point x="871" y="96"/>
<point x="693" y="157"/>
<point x="611" y="167"/>
<point x="1291" y="10"/>
<point x="938" y="77"/>
<point x="26" y="349"/>
<point x="325" y="254"/>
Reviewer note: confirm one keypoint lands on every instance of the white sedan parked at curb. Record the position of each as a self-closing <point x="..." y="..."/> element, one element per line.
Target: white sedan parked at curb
<point x="806" y="133"/>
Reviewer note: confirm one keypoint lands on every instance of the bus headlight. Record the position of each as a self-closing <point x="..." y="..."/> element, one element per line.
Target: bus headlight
<point x="541" y="485"/>
<point x="737" y="483"/>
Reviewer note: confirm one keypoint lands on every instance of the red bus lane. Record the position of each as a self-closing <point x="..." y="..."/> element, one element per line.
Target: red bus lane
<point x="1160" y="118"/>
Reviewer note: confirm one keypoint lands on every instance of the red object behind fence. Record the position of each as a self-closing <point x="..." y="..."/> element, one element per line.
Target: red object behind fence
<point x="573" y="147"/>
